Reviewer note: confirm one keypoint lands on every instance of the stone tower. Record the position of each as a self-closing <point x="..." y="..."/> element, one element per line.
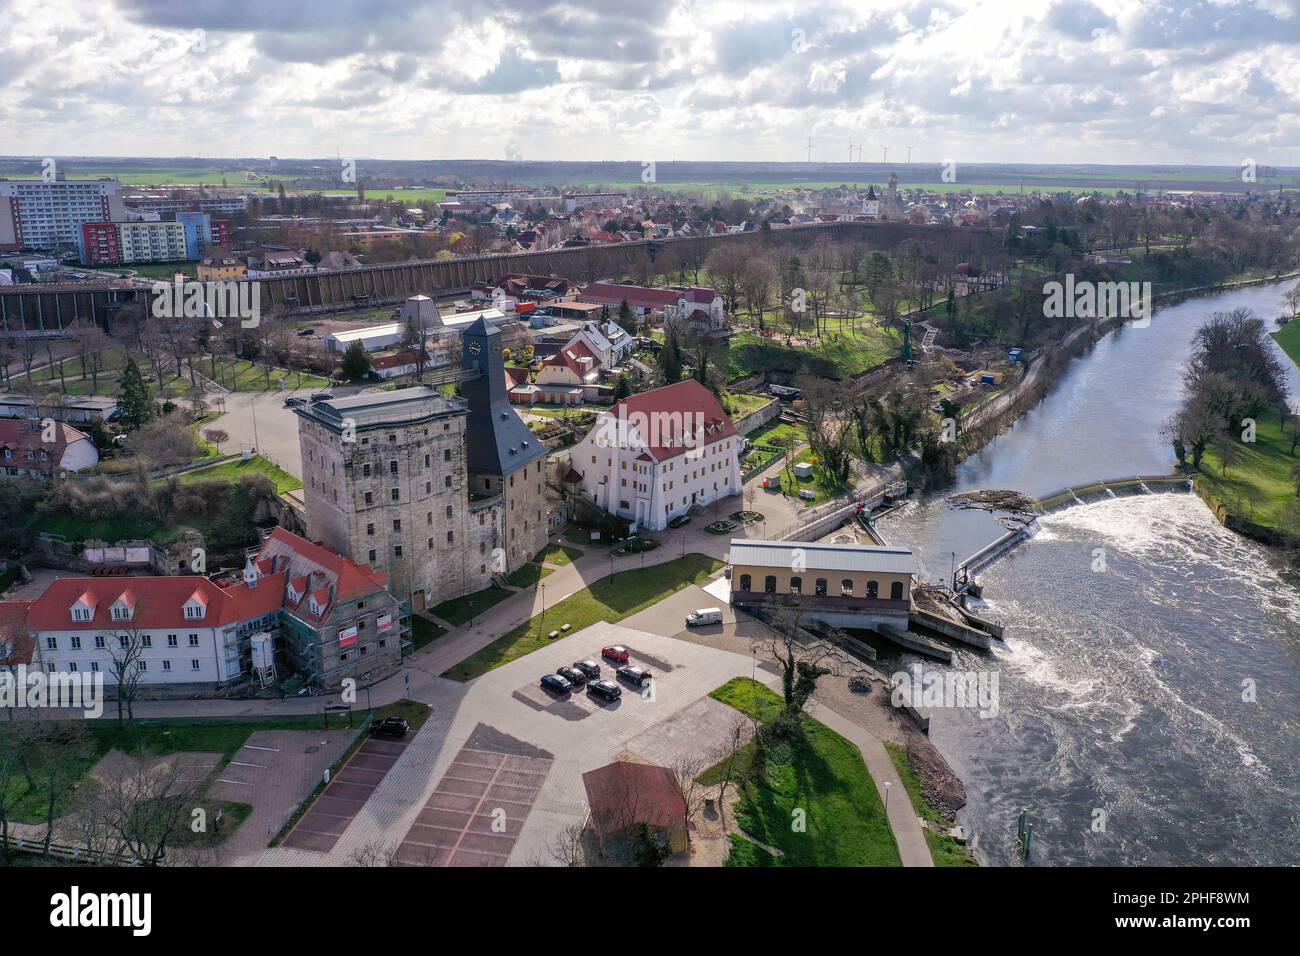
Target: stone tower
<point x="505" y="461"/>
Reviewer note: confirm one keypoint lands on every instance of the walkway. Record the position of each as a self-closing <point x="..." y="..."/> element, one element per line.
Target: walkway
<point x="902" y="818"/>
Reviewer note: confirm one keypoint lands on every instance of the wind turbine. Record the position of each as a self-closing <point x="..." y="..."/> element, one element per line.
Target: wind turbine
<point x="885" y="152"/>
<point x="810" y="149"/>
<point x="851" y="148"/>
<point x="909" y="154"/>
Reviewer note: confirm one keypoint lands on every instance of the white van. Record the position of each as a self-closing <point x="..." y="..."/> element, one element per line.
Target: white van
<point x="705" y="615"/>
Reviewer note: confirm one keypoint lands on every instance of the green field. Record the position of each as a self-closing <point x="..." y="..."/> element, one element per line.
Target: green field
<point x="237" y="468"/>
<point x="610" y="599"/>
<point x="413" y="195"/>
<point x="836" y="356"/>
<point x="1259" y="487"/>
<point x="460" y="610"/>
<point x="1289" y="338"/>
<point x="943" y="849"/>
<point x="818" y="773"/>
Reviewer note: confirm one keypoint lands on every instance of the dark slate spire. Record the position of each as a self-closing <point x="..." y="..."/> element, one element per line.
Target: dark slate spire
<point x="497" y="442"/>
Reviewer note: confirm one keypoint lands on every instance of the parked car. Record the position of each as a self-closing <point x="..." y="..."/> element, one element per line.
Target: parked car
<point x="574" y="676"/>
<point x="390" y="727"/>
<point x="615" y="652"/>
<point x="556" y="684"/>
<point x="590" y="669"/>
<point x="635" y="675"/>
<point x="321" y="396"/>
<point x="606" y="690"/>
<point x="679" y="521"/>
<point x="704" y="615"/>
<point x="294" y="400"/>
<point x="306" y="332"/>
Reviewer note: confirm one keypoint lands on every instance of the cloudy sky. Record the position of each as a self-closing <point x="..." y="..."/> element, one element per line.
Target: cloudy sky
<point x="1201" y="81"/>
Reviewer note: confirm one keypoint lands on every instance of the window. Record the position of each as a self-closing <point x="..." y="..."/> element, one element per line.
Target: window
<point x="769" y="584"/>
<point x="392" y="467"/>
<point x="146" y="641"/>
<point x="746" y="582"/>
<point x="72" y="667"/>
<point x="873" y="589"/>
<point x="820" y="587"/>
<point x="397" y="550"/>
<point x="99" y="642"/>
<point x="370" y="499"/>
<point x="446" y="482"/>
<point x="172" y="640"/>
<point x="167" y="665"/>
<point x="896" y="591"/>
<point x="448" y="511"/>
<point x="397" y="524"/>
<point x="796" y="585"/>
<point x="446" y="454"/>
<point x="194" y="640"/>
<point x="194" y="664"/>
<point x="94" y="666"/>
<point x="82" y="614"/>
<point x="372" y="556"/>
<point x="846" y="587"/>
<point x="194" y="611"/>
<point x="395" y="494"/>
<point x="365" y="471"/>
<point x="451" y="537"/>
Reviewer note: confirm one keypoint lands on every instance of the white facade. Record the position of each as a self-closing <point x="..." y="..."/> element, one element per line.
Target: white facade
<point x="172" y="655"/>
<point x="47" y="215"/>
<point x="629" y="481"/>
<point x="152" y="241"/>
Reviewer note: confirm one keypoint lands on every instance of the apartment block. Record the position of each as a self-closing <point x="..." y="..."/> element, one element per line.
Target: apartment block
<point x="49" y="215"/>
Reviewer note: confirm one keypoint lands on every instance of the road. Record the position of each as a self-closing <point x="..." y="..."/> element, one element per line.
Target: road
<point x="259" y="421"/>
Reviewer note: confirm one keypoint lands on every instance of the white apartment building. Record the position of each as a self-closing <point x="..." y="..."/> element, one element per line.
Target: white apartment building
<point x="153" y="241"/>
<point x="656" y="455"/>
<point x="48" y="215"/>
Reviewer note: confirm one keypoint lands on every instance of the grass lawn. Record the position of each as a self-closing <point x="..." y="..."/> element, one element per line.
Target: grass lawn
<point x="610" y="599"/>
<point x="1289" y="338"/>
<point x="1258" y="487"/>
<point x="943" y="849"/>
<point x="148" y="738"/>
<point x="823" y="488"/>
<point x="837" y="356"/>
<point x="745" y="853"/>
<point x="576" y="534"/>
<point x="82" y="528"/>
<point x="777" y="432"/>
<point x="737" y="404"/>
<point x="238" y="467"/>
<point x="424" y="632"/>
<point x="821" y="774"/>
<point x="459" y="610"/>
<point x="557" y="554"/>
<point x="528" y="575"/>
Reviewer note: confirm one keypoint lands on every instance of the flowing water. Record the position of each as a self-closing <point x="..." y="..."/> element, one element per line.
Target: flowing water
<point x="1150" y="677"/>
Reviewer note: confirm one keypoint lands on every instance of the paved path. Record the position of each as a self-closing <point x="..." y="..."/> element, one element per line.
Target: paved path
<point x="902" y="818"/>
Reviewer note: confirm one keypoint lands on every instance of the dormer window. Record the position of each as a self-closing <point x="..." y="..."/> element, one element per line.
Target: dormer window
<point x="194" y="612"/>
<point x="121" y="612"/>
<point x="82" y="613"/>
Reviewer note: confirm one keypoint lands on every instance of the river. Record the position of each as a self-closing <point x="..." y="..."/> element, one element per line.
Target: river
<point x="1126" y="723"/>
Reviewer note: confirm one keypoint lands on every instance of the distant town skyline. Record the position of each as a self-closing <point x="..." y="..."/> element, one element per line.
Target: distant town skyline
<point x="1204" y="82"/>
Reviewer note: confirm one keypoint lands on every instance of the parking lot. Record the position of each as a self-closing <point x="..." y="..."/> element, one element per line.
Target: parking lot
<point x="321" y="826"/>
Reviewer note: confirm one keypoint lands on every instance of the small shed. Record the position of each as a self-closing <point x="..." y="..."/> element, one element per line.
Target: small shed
<point x="803" y="470"/>
<point x="623" y="795"/>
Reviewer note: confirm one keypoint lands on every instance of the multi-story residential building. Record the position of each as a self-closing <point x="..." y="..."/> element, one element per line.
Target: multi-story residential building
<point x="846" y="585"/>
<point x="49" y="215"/>
<point x="208" y="204"/>
<point x="328" y="618"/>
<point x="441" y="494"/>
<point x="219" y="265"/>
<point x="202" y="232"/>
<point x="656" y="455"/>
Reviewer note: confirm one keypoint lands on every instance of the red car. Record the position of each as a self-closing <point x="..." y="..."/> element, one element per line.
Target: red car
<point x="615" y="652"/>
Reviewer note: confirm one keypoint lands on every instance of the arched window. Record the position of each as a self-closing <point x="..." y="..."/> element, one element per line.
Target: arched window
<point x="873" y="589"/>
<point x="821" y="587"/>
<point x="746" y="582"/>
<point x="896" y="591"/>
<point x="796" y="585"/>
<point x="846" y="587"/>
<point x="769" y="584"/>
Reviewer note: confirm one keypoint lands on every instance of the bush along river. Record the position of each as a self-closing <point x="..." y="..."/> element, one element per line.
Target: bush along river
<point x="1149" y="681"/>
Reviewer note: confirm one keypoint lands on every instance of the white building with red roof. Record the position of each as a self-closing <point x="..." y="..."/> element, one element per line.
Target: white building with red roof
<point x="329" y="617"/>
<point x="40" y="448"/>
<point x="655" y="455"/>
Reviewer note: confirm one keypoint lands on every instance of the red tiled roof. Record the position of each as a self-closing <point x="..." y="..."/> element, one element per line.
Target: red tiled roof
<point x="16" y="643"/>
<point x="22" y="436"/>
<point x="621" y="794"/>
<point x="158" y="601"/>
<point x="516" y="376"/>
<point x="609" y="293"/>
<point x="682" y="402"/>
<point x="349" y="578"/>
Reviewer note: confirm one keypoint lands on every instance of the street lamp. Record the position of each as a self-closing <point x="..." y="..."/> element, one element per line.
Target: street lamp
<point x="543" y="587"/>
<point x="683" y="544"/>
<point x="887" y="785"/>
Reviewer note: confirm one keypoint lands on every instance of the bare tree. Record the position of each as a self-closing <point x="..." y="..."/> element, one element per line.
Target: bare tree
<point x="799" y="657"/>
<point x="145" y="806"/>
<point x="729" y="762"/>
<point x="126" y="646"/>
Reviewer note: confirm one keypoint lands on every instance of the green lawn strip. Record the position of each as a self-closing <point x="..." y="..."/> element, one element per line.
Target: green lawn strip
<point x="577" y="534"/>
<point x="233" y="813"/>
<point x="610" y="599"/>
<point x="557" y="554"/>
<point x="238" y="467"/>
<point x="1259" y="486"/>
<point x="149" y="738"/>
<point x="415" y="713"/>
<point x="528" y="575"/>
<point x="745" y="853"/>
<point x="943" y="849"/>
<point x="1289" y="338"/>
<point x="824" y="776"/>
<point x="459" y="610"/>
<point x="424" y="632"/>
